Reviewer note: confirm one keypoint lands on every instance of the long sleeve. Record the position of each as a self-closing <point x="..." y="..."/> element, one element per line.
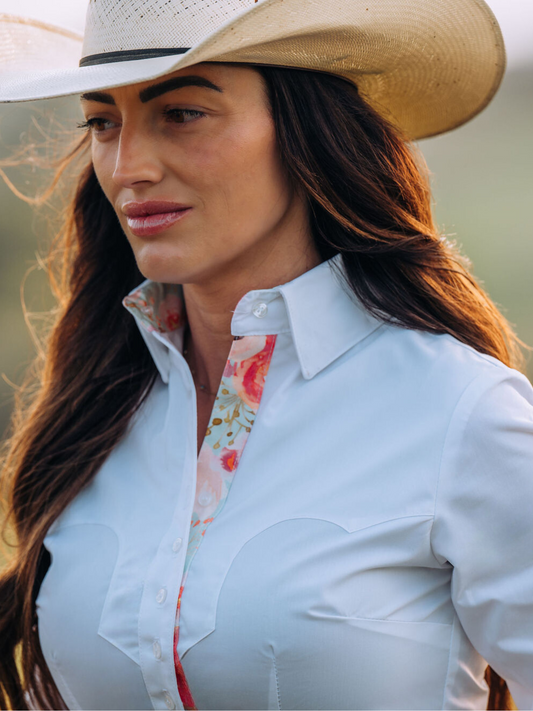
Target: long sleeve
<point x="484" y="523"/>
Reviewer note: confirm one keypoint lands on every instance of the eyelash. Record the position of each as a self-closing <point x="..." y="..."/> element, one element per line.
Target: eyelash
<point x="169" y="114"/>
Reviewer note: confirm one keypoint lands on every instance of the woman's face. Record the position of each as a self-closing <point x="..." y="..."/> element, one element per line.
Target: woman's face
<point x="191" y="166"/>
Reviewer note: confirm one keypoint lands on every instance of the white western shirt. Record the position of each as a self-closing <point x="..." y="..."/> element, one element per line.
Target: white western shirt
<point x="375" y="550"/>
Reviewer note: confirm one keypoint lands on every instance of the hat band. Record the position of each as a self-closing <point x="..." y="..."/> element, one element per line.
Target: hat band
<point x="128" y="55"/>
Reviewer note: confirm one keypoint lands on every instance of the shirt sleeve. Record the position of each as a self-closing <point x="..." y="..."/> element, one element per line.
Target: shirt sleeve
<point x="483" y="523"/>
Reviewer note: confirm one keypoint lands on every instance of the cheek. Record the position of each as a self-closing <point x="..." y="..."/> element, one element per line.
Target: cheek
<point x="241" y="172"/>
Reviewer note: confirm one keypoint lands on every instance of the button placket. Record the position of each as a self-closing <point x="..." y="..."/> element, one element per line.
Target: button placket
<point x="162" y="584"/>
<point x="227" y="419"/>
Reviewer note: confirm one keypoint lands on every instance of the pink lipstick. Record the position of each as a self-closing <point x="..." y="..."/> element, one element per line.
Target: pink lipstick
<point x="154" y="216"/>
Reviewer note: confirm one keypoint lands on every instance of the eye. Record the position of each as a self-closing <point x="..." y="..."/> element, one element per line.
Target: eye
<point x="98" y="125"/>
<point x="181" y="115"/>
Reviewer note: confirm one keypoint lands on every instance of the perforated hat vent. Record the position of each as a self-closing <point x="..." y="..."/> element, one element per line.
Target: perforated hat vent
<point x="140" y="29"/>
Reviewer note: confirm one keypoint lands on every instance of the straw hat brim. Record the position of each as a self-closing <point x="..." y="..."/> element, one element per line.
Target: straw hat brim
<point x="427" y="65"/>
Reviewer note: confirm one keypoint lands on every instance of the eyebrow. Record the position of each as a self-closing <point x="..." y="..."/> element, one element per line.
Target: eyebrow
<point x="155" y="90"/>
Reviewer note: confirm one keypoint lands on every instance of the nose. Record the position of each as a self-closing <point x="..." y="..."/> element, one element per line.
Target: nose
<point x="137" y="161"/>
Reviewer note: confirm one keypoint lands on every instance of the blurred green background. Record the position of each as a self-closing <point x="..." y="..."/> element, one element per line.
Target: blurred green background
<point x="482" y="178"/>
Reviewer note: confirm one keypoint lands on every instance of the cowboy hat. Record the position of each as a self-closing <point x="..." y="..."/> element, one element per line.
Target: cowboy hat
<point x="427" y="65"/>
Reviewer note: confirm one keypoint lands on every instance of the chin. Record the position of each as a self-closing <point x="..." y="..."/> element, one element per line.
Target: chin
<point x="167" y="267"/>
<point x="165" y="274"/>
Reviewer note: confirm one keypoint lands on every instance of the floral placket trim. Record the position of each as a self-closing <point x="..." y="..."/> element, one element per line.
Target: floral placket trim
<point x="234" y="412"/>
<point x="158" y="306"/>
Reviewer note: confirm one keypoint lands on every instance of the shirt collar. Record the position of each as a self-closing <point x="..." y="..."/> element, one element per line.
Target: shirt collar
<point x="318" y="308"/>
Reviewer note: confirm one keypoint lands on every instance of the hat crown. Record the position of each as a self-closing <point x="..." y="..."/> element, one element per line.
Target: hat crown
<point x="130" y="25"/>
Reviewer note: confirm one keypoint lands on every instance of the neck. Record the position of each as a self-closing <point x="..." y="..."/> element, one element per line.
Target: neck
<point x="210" y="306"/>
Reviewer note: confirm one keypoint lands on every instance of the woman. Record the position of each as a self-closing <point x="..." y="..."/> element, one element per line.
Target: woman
<point x="299" y="476"/>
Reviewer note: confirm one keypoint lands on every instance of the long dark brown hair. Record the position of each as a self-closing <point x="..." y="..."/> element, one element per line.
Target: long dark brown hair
<point x="368" y="198"/>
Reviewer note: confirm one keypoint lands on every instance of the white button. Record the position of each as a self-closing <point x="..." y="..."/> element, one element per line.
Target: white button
<point x="156" y="649"/>
<point x="260" y="310"/>
<point x="205" y="498"/>
<point x="161" y="596"/>
<point x="169" y="701"/>
<point x="177" y="544"/>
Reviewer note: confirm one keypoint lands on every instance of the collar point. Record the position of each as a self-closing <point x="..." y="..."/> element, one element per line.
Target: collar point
<point x="309" y="374"/>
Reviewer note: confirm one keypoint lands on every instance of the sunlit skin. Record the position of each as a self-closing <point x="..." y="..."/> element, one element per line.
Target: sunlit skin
<point x="214" y="151"/>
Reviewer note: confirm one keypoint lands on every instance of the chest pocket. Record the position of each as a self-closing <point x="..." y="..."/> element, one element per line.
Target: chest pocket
<point x="315" y="569"/>
<point x="306" y="607"/>
<point x="70" y="607"/>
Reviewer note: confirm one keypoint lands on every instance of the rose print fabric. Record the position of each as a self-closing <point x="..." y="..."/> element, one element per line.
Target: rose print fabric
<point x="232" y="419"/>
<point x="160" y="307"/>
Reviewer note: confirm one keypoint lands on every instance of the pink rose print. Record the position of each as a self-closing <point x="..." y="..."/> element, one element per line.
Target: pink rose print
<point x="159" y="306"/>
<point x="247" y="347"/>
<point x="169" y="312"/>
<point x="249" y="375"/>
<point x="208" y="482"/>
<point x="229" y="459"/>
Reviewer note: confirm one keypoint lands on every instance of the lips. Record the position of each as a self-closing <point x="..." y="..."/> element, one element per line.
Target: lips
<point x="151" y="217"/>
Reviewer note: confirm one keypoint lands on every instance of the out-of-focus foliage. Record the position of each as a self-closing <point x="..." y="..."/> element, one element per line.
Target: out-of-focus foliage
<point x="483" y="188"/>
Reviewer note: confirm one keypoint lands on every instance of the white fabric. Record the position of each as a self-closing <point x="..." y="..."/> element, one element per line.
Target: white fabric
<point x="374" y="552"/>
